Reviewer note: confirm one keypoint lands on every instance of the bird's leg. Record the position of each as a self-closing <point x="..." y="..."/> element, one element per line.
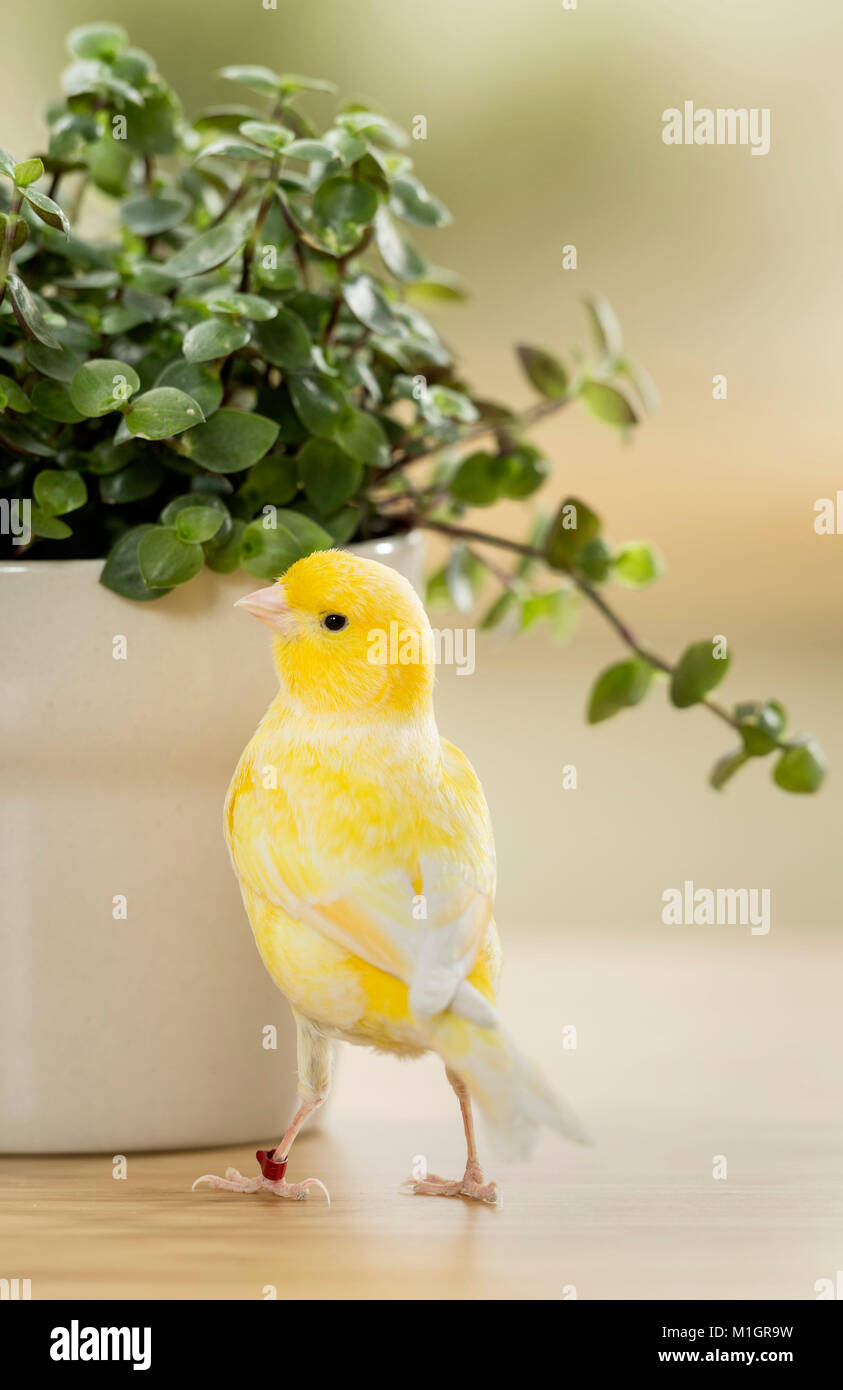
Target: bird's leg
<point x="314" y="1063"/>
<point x="471" y="1184"/>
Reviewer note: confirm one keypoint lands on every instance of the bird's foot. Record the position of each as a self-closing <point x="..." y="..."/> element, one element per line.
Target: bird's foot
<point x="470" y="1185"/>
<point x="235" y="1182"/>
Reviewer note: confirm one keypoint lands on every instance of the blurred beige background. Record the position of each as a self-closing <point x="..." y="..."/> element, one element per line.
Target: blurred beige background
<point x="544" y="128"/>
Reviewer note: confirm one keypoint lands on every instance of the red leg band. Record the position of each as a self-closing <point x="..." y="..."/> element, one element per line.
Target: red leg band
<point x="270" y="1169"/>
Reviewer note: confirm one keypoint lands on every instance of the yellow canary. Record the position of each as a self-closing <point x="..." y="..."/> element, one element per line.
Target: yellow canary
<point x="363" y="847"/>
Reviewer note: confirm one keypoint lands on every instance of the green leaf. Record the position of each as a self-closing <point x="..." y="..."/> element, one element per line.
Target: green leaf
<point x="726" y="767"/>
<point x="527" y="470"/>
<point x="344" y="206"/>
<point x="224" y="556"/>
<point x="137" y="480"/>
<point x="162" y="412"/>
<point x="186" y="500"/>
<point x="318" y="401"/>
<point x="104" y="41"/>
<point x="56" y="363"/>
<point x="7" y="164"/>
<point x="439" y="286"/>
<point x="214" y="338"/>
<point x="15" y="398"/>
<point x="345" y="146"/>
<point x="48" y="527"/>
<point x="372" y="126"/>
<point x="697" y="673"/>
<point x="762" y="726"/>
<point x="153" y="129"/>
<point x="58" y="491"/>
<point x="195" y="380"/>
<point x="544" y="371"/>
<point x="283" y="341"/>
<point x="572" y="528"/>
<point x="232" y="149"/>
<point x="362" y="436"/>
<point x="499" y="610"/>
<point x="107" y="458"/>
<point x="292" y="82"/>
<point x="51" y="399"/>
<point x="102" y="385"/>
<point x="166" y="560"/>
<point x="207" y="251"/>
<point x="28" y="314"/>
<point x="801" y="767"/>
<point x="251" y="306"/>
<point x="642" y="383"/>
<point x="453" y="405"/>
<point x="231" y="440"/>
<point x="19" y="436"/>
<point x="534" y="607"/>
<point x="368" y="304"/>
<point x="436" y="591"/>
<point x="109" y="164"/>
<point x="47" y="210"/>
<point x="462" y="575"/>
<point x="342" y="524"/>
<point x="198" y="523"/>
<point x="121" y="572"/>
<point x="271" y="136"/>
<point x="267" y="550"/>
<point x="595" y="560"/>
<point x="273" y="479"/>
<point x="20" y="231"/>
<point x="619" y="687"/>
<point x="329" y="476"/>
<point x="638" y="564"/>
<point x="480" y="479"/>
<point x="606" y="329"/>
<point x="259" y="79"/>
<point x="133" y="308"/>
<point x="27" y="172"/>
<point x="312" y="151"/>
<point x="149" y="216"/>
<point x="606" y="403"/>
<point x="405" y="262"/>
<point x="411" y="201"/>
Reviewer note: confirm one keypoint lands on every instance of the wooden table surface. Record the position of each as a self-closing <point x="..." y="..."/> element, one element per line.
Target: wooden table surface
<point x="684" y="1053"/>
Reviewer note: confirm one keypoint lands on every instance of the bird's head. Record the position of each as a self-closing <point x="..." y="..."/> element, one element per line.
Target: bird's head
<point x="350" y="635"/>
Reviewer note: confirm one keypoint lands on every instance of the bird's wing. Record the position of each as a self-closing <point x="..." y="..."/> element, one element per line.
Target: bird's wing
<point x="418" y="908"/>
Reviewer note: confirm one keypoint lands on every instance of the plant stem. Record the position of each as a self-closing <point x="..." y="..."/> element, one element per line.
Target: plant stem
<point x="342" y="262"/>
<point x="7" y="245"/>
<point x="337" y="304"/>
<point x="529" y="417"/>
<point x="625" y="633"/>
<point x="231" y="202"/>
<point x="75" y="208"/>
<point x="262" y="214"/>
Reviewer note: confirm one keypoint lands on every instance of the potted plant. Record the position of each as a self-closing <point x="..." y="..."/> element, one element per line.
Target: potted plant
<point x="215" y="359"/>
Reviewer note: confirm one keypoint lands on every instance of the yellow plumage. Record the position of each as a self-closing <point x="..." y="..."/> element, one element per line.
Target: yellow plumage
<point x="363" y="847"/>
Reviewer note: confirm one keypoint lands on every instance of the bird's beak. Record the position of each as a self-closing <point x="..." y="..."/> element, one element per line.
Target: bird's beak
<point x="270" y="606"/>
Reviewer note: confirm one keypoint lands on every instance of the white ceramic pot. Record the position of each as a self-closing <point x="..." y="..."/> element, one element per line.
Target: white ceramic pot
<point x="147" y="1031"/>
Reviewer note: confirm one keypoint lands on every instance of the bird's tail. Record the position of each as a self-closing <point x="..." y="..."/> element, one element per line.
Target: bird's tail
<point x="513" y="1096"/>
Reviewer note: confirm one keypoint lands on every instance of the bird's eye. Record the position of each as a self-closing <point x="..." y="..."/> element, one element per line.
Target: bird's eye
<point x="334" y="622"/>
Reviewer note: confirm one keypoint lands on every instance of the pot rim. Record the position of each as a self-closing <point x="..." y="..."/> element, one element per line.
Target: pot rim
<point x="383" y="545"/>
